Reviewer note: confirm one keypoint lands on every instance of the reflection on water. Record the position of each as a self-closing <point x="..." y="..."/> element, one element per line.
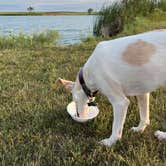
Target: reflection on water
<point x="71" y="28"/>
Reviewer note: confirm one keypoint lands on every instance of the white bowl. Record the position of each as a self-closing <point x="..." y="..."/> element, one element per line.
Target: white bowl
<point x="91" y="113"/>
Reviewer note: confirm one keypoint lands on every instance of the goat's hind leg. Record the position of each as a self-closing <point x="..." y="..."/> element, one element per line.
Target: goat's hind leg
<point x="160" y="135"/>
<point x="143" y="104"/>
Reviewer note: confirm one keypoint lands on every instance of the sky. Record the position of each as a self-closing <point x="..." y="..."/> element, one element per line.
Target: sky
<point x="52" y="5"/>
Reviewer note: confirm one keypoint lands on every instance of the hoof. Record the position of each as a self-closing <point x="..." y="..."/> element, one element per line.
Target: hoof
<point x="108" y="142"/>
<point x="141" y="127"/>
<point x="138" y="129"/>
<point x="160" y="135"/>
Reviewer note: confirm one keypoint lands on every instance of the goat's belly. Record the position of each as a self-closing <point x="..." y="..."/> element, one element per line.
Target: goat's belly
<point x="136" y="86"/>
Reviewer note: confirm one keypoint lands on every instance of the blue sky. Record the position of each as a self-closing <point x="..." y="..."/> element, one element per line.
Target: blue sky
<point x="52" y="5"/>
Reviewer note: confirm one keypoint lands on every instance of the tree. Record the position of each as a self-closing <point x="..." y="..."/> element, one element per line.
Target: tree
<point x="90" y="10"/>
<point x="30" y="8"/>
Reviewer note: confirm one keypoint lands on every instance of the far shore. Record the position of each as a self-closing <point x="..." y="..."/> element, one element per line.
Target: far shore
<point x="44" y="13"/>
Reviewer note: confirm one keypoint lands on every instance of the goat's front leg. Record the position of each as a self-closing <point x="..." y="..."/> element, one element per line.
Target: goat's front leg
<point x="119" y="112"/>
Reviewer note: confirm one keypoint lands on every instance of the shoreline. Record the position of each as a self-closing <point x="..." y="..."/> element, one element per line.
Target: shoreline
<point x="45" y="13"/>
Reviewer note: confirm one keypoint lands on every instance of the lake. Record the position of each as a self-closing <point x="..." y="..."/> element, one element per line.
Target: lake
<point x="71" y="28"/>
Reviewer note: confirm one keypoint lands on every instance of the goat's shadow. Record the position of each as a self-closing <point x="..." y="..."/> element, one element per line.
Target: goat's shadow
<point x="60" y="122"/>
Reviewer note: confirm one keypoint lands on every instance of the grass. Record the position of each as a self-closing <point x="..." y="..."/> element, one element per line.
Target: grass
<point x="43" y="13"/>
<point x="115" y="16"/>
<point x="156" y="20"/>
<point x="35" y="128"/>
<point x="47" y="38"/>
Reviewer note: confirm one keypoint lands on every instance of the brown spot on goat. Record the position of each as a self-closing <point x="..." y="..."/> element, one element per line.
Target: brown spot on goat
<point x="139" y="53"/>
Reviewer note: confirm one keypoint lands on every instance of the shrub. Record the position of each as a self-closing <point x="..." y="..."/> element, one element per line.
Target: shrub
<point x="111" y="19"/>
<point x="107" y="18"/>
<point x="48" y="38"/>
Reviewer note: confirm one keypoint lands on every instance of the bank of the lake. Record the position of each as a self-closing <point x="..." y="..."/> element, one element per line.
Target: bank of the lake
<point x="38" y="13"/>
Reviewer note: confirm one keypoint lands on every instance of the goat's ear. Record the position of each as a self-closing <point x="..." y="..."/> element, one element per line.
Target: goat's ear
<point x="69" y="85"/>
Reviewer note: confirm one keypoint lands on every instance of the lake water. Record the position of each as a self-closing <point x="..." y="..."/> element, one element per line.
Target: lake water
<point x="71" y="28"/>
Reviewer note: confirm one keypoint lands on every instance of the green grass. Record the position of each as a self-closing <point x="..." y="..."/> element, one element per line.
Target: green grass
<point x="156" y="20"/>
<point x="115" y="16"/>
<point x="47" y="39"/>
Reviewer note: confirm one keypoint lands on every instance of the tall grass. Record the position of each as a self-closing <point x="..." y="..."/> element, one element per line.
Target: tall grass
<point x="47" y="38"/>
<point x="112" y="18"/>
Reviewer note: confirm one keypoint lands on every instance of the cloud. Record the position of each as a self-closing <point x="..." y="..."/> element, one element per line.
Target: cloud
<point x="69" y="5"/>
<point x="67" y="2"/>
<point x="13" y="2"/>
<point x="52" y="1"/>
